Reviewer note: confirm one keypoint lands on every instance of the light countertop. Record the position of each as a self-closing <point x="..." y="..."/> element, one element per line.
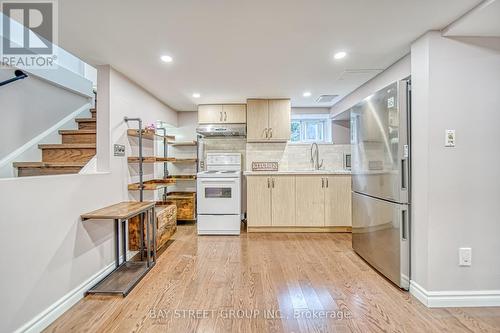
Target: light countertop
<point x="297" y="172"/>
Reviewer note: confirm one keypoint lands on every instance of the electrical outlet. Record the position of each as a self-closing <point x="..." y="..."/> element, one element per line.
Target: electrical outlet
<point x="465" y="256"/>
<point x="449" y="140"/>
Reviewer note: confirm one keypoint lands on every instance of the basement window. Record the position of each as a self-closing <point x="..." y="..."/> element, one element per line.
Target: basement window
<point x="310" y="129"/>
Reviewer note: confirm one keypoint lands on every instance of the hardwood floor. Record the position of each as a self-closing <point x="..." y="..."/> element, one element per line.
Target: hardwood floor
<point x="302" y="276"/>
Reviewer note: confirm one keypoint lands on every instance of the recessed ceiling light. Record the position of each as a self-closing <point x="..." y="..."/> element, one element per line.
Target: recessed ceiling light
<point x="196" y="95"/>
<point x="307" y="94"/>
<point x="339" y="55"/>
<point x="166" y="58"/>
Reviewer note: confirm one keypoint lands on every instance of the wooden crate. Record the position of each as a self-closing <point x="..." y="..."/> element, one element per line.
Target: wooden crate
<point x="186" y="204"/>
<point x="166" y="223"/>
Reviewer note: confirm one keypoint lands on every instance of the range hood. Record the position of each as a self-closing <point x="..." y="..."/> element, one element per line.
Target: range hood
<point x="214" y="130"/>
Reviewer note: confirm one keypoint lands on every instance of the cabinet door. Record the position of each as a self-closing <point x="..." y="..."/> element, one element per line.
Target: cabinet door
<point x="210" y="114"/>
<point x="258" y="201"/>
<point x="338" y="201"/>
<point x="310" y="201"/>
<point x="283" y="201"/>
<point x="279" y="119"/>
<point x="257" y="119"/>
<point x="235" y="113"/>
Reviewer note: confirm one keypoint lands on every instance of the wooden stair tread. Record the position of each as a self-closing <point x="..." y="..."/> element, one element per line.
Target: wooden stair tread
<point x="82" y="131"/>
<point x="67" y="146"/>
<point x="48" y="164"/>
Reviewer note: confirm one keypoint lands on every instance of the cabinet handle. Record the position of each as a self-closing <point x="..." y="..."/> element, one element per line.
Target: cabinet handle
<point x="268" y="183"/>
<point x="323" y="182"/>
<point x="326" y="182"/>
<point x="270" y="133"/>
<point x="225" y="116"/>
<point x="272" y="180"/>
<point x="265" y="132"/>
<point x="221" y="116"/>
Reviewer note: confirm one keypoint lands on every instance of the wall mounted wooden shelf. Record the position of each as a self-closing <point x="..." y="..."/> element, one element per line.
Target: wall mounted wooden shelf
<point x="183" y="143"/>
<point x="150" y="135"/>
<point x="150" y="159"/>
<point x="151" y="185"/>
<point x="185" y="160"/>
<point x="182" y="177"/>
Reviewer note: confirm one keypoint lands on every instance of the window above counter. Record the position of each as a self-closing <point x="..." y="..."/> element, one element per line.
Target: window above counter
<point x="308" y="128"/>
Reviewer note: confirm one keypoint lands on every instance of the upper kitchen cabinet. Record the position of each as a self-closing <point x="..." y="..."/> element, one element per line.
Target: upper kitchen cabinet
<point x="257" y="119"/>
<point x="279" y="119"/>
<point x="210" y="114"/>
<point x="268" y="120"/>
<point x="222" y="114"/>
<point x="235" y="113"/>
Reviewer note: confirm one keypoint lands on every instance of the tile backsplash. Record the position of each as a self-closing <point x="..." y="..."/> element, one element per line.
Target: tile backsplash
<point x="225" y="145"/>
<point x="291" y="156"/>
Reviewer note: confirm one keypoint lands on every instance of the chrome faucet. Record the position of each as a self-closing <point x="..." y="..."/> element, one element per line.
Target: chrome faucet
<point x="315" y="157"/>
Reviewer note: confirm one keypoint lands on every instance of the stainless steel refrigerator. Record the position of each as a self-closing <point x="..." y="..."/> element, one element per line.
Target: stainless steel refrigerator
<point x="380" y="138"/>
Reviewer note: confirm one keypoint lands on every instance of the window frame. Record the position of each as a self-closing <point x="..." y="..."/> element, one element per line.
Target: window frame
<point x="303" y="131"/>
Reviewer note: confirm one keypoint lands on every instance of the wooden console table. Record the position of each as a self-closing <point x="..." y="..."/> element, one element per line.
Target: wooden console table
<point x="127" y="273"/>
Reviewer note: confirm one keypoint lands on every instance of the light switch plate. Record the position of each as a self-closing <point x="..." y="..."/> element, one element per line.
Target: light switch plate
<point x="449" y="140"/>
<point x="119" y="150"/>
<point x="465" y="256"/>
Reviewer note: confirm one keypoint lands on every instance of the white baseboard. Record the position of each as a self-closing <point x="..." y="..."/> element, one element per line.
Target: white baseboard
<point x="452" y="299"/>
<point x="49" y="315"/>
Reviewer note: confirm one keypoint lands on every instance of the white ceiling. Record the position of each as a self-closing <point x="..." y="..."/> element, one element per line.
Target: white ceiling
<point x="233" y="49"/>
<point x="484" y="21"/>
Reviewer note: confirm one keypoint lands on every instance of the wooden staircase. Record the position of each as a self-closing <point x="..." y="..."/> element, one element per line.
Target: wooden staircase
<point x="70" y="156"/>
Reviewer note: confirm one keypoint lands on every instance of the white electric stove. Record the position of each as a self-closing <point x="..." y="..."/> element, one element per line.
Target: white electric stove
<point x="219" y="195"/>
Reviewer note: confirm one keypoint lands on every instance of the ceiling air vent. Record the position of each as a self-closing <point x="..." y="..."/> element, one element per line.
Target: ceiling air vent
<point x="326" y="98"/>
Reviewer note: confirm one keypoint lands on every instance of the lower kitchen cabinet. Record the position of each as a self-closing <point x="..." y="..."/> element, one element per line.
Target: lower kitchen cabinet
<point x="282" y="201"/>
<point x="270" y="201"/>
<point x="299" y="203"/>
<point x="258" y="201"/>
<point x="310" y="197"/>
<point x="338" y="211"/>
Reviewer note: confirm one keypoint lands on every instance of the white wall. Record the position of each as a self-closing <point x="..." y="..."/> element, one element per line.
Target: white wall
<point x="306" y="110"/>
<point x="420" y="168"/>
<point x="341" y="132"/>
<point x="187" y="121"/>
<point x="30" y="106"/>
<point x="49" y="252"/>
<point x="456" y="85"/>
<point x="399" y="70"/>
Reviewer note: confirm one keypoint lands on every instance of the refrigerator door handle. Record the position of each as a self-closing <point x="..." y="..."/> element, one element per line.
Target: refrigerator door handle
<point x="404" y="225"/>
<point x="404" y="174"/>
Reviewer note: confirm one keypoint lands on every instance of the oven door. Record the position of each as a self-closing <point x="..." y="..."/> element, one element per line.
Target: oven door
<point x="218" y="196"/>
